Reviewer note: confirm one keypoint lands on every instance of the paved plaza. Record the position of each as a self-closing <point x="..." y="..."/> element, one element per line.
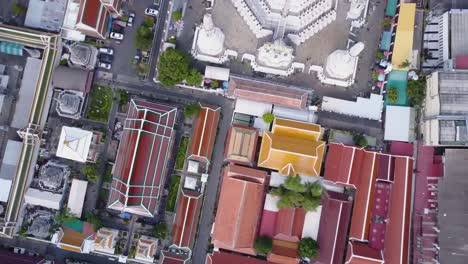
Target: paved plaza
<point x="313" y="52"/>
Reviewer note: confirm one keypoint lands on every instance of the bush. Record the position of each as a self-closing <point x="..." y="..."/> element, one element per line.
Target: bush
<point x="214" y="84"/>
<point x="173" y="67"/>
<point x="405" y="64"/>
<point x="172" y="40"/>
<point x="160" y="231"/>
<point x="177" y="15"/>
<point x="263" y="245"/>
<point x="360" y="140"/>
<point x="417" y="91"/>
<point x="180" y="159"/>
<point x="308" y="248"/>
<point x="379" y="55"/>
<point x="64" y="62"/>
<point x="194" y="78"/>
<point x="90" y="172"/>
<point x="173" y="191"/>
<point x="64" y="216"/>
<point x="268" y="118"/>
<point x="192" y="110"/>
<point x="392" y="95"/>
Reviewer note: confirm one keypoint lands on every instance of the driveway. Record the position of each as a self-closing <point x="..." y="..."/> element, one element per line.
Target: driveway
<point x="125" y="51"/>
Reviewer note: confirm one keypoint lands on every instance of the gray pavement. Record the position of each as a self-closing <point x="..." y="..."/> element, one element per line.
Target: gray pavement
<point x="125" y="50"/>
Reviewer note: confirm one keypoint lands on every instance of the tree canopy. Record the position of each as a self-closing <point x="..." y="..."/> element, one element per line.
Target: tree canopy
<point x="308" y="248"/>
<point x="263" y="244"/>
<point x="392" y="95"/>
<point x="194" y="78"/>
<point x="64" y="216"/>
<point x="144" y="35"/>
<point x="177" y="15"/>
<point x="294" y="194"/>
<point x="191" y="110"/>
<point x="417" y="91"/>
<point x="173" y="67"/>
<point x="268" y="118"/>
<point x="90" y="172"/>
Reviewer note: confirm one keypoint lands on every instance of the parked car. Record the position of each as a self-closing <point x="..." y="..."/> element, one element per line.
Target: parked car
<point x="131" y="19"/>
<point x="117" y="36"/>
<point x="106" y="58"/>
<point x="106" y="50"/>
<point x="151" y="12"/>
<point x="104" y="65"/>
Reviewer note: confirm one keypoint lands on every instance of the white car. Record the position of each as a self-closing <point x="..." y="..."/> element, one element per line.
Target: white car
<point x="117" y="36"/>
<point x="105" y="65"/>
<point x="131" y="19"/>
<point x="151" y="12"/>
<point x="108" y="51"/>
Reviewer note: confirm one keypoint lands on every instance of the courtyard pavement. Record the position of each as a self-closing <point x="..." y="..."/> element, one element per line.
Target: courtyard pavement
<point x="313" y="52"/>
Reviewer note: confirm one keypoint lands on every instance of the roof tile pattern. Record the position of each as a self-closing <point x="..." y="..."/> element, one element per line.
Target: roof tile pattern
<point x="142" y="157"/>
<point x="292" y="148"/>
<point x="231" y="258"/>
<point x="187" y="213"/>
<point x="239" y="209"/>
<point x="268" y="92"/>
<point x="204" y="133"/>
<point x="241" y="145"/>
<point x="381" y="213"/>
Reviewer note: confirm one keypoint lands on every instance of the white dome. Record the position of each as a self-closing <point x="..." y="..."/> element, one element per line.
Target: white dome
<point x="275" y="55"/>
<point x="341" y="63"/>
<point x="210" y="38"/>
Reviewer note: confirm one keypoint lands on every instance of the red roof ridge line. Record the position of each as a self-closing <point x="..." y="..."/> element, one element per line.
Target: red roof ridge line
<point x="336" y="233"/>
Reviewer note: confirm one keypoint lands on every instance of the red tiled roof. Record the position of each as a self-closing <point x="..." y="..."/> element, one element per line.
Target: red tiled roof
<point x="267" y="227"/>
<point x="172" y="258"/>
<point x="204" y="133"/>
<point x="90" y="12"/>
<point x="231" y="258"/>
<point x="396" y="171"/>
<point x="401" y="148"/>
<point x="461" y="62"/>
<point x="289" y="224"/>
<point x="142" y="157"/>
<point x="268" y="92"/>
<point x="187" y="213"/>
<point x="334" y="223"/>
<point x="338" y="169"/>
<point x="361" y="253"/>
<point x="284" y="252"/>
<point x="398" y="226"/>
<point x="239" y="208"/>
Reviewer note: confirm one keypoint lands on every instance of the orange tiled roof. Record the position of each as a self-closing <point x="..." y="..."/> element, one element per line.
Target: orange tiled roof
<point x="292" y="148"/>
<point x="239" y="209"/>
<point x="241" y="145"/>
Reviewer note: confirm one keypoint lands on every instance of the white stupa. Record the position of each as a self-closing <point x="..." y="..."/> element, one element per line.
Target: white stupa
<point x="341" y="64"/>
<point x="275" y="54"/>
<point x="208" y="43"/>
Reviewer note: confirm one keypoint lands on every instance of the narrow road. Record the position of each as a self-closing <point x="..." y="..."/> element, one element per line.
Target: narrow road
<point x="158" y="37"/>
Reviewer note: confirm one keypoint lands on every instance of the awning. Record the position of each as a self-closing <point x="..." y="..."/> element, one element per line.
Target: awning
<point x="391" y="8"/>
<point x="385" y="41"/>
<point x="216" y="73"/>
<point x="11" y="48"/>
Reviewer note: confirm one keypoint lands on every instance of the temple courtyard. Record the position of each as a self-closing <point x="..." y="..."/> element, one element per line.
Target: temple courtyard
<point x="314" y="51"/>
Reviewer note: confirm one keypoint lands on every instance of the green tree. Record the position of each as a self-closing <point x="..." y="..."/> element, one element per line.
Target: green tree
<point x="177" y="15"/>
<point x="194" y="78"/>
<point x="214" y="84"/>
<point x="94" y="220"/>
<point x="160" y="231"/>
<point x="268" y="118"/>
<point x="311" y="203"/>
<point x="379" y="55"/>
<point x="124" y="97"/>
<point x="417" y="91"/>
<point x="386" y="23"/>
<point x="315" y="189"/>
<point x="308" y="248"/>
<point x="263" y="244"/>
<point x="64" y="216"/>
<point x="192" y="110"/>
<point x="293" y="183"/>
<point x="143" y="37"/>
<point x="90" y="172"/>
<point x="392" y="95"/>
<point x="375" y="76"/>
<point x="18" y="9"/>
<point x="360" y="140"/>
<point x="173" y="67"/>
